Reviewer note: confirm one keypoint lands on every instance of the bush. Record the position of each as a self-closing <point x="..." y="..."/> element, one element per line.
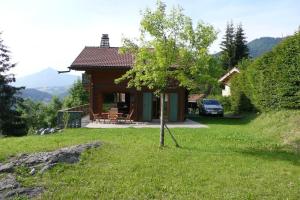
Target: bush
<point x="38" y="114"/>
<point x="77" y="96"/>
<point x="270" y="82"/>
<point x="240" y="92"/>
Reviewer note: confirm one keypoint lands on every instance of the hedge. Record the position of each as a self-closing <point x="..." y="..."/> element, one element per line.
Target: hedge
<point x="272" y="81"/>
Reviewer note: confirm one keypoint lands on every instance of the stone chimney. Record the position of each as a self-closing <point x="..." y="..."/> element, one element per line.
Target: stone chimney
<point x="104" y="41"/>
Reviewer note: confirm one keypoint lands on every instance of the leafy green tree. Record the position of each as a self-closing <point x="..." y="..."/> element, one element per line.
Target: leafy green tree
<point x="10" y="121"/>
<point x="52" y="108"/>
<point x="228" y="47"/>
<point x="77" y="96"/>
<point x="170" y="50"/>
<point x="38" y="114"/>
<point x="240" y="42"/>
<point x="34" y="114"/>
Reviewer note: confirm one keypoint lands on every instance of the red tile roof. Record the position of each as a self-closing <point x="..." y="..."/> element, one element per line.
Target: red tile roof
<point x="96" y="57"/>
<point x="195" y="97"/>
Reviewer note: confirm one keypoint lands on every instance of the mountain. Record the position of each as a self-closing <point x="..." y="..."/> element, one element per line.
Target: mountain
<point x="262" y="45"/>
<point x="46" y="78"/>
<point x="36" y="95"/>
<point x="43" y="85"/>
<point x="60" y="92"/>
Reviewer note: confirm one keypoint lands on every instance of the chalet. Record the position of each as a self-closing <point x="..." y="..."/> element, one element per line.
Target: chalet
<point x="225" y="80"/>
<point x="102" y="65"/>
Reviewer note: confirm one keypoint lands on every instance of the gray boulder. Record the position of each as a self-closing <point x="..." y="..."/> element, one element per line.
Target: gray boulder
<point x="46" y="160"/>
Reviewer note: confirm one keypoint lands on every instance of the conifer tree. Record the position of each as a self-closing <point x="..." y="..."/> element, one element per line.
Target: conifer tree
<point x="10" y="120"/>
<point x="241" y="48"/>
<point x="228" y="47"/>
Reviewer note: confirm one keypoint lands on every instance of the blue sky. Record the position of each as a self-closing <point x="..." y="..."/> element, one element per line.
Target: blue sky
<point x="51" y="33"/>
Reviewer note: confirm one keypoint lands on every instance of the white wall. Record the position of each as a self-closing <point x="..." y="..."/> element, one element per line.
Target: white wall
<point x="226" y="91"/>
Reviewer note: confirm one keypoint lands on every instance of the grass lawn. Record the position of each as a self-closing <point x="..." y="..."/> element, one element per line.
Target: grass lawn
<point x="232" y="159"/>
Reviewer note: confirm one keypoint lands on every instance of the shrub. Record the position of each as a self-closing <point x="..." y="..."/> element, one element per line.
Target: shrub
<point x="77" y="96"/>
<point x="270" y="82"/>
<point x="240" y="92"/>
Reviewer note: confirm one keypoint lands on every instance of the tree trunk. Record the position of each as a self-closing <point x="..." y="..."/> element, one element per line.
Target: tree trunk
<point x="162" y="122"/>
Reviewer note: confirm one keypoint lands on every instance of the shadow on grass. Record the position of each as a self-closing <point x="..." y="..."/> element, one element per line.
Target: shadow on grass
<point x="274" y="155"/>
<point x="244" y="119"/>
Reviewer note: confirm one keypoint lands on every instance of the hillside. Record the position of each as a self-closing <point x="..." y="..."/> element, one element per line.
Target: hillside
<point x="228" y="160"/>
<point x="46" y="78"/>
<point x="43" y="85"/>
<point x="60" y="92"/>
<point x="262" y="45"/>
<point x="36" y="95"/>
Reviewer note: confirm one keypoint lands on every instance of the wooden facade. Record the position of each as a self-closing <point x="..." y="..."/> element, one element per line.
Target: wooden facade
<point x="102" y="82"/>
<point x="102" y="65"/>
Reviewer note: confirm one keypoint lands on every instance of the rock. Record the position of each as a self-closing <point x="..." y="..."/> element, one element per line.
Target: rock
<point x="44" y="132"/>
<point x="32" y="171"/>
<point x="8" y="167"/>
<point x="40" y="131"/>
<point x="27" y="192"/>
<point x="37" y="162"/>
<point x="10" y="189"/>
<point x="46" y="167"/>
<point x="9" y="182"/>
<point x="45" y="160"/>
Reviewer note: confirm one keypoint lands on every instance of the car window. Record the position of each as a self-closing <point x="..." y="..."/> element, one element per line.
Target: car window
<point x="210" y="102"/>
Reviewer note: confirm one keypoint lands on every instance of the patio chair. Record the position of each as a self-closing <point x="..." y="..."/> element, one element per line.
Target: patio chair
<point x="104" y="116"/>
<point x="128" y="117"/>
<point x="113" y="115"/>
<point x="96" y="116"/>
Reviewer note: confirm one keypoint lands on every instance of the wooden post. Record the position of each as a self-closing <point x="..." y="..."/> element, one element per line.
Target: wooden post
<point x="172" y="136"/>
<point x="162" y="121"/>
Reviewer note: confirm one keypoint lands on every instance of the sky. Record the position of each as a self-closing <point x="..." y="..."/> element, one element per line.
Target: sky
<point x="51" y="33"/>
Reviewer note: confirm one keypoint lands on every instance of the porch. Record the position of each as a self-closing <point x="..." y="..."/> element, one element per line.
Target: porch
<point x="155" y="123"/>
<point x="138" y="106"/>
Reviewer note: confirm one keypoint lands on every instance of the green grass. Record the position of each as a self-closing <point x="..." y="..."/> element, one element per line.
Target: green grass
<point x="232" y="159"/>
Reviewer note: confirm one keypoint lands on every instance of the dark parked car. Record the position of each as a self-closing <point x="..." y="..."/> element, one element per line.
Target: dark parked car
<point x="211" y="107"/>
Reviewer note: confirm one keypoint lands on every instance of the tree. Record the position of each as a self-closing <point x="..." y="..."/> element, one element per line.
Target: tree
<point x="234" y="46"/>
<point x="241" y="48"/>
<point x="34" y="113"/>
<point x="77" y="96"/>
<point x="169" y="50"/>
<point x="228" y="47"/>
<point x="10" y="121"/>
<point x="38" y="114"/>
<point x="52" y="108"/>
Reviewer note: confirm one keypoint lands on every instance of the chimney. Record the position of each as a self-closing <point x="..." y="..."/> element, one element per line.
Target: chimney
<point x="104" y="41"/>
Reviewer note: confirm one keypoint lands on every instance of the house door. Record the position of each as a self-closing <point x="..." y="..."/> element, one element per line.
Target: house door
<point x="173" y="107"/>
<point x="147" y="106"/>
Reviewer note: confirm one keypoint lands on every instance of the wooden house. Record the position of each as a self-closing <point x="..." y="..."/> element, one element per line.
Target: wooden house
<point x="102" y="65"/>
<point x="225" y="80"/>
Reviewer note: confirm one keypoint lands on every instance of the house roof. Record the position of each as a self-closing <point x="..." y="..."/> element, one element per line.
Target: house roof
<point x="195" y="97"/>
<point x="102" y="57"/>
<point x="224" y="79"/>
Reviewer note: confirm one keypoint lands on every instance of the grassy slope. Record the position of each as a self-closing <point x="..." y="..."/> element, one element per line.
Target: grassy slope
<point x="233" y="159"/>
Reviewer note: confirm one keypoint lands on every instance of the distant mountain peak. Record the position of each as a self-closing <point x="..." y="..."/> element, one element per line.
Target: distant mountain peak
<point x="48" y="77"/>
<point x="262" y="45"/>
